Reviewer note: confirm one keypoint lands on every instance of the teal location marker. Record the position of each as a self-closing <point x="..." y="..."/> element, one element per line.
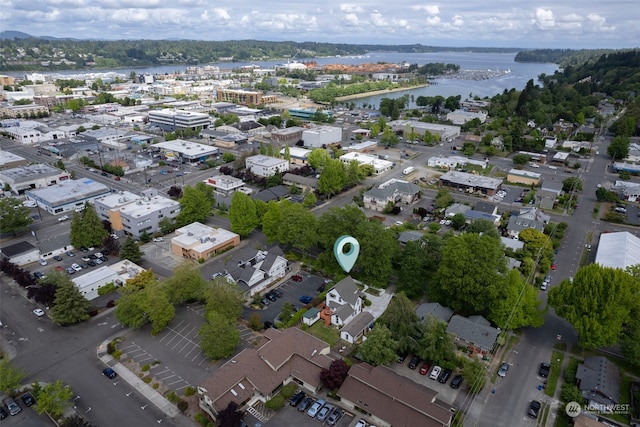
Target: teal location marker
<point x="346" y="260"/>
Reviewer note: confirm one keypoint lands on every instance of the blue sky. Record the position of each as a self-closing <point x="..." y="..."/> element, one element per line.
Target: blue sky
<point x="490" y="23"/>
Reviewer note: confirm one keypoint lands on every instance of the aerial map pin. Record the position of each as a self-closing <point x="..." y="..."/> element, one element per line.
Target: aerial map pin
<point x="346" y="260"/>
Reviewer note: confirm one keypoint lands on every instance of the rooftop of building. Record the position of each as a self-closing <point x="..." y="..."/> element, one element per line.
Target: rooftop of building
<point x="200" y="237"/>
<point x="115" y="200"/>
<point x="146" y="205"/>
<point x="186" y="147"/>
<point x="30" y="172"/>
<point x="69" y="191"/>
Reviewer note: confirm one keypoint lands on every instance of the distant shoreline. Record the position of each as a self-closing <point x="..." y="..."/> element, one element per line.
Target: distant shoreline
<point x="378" y="92"/>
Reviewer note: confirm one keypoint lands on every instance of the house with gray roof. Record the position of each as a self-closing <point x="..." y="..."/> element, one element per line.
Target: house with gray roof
<point x="456" y="208"/>
<point x="599" y="381"/>
<point x="394" y="191"/>
<point x="409" y="236"/>
<point x="345" y="301"/>
<point x="303" y="182"/>
<point x="357" y="327"/>
<point x="434" y="309"/>
<point x="517" y="224"/>
<point x="256" y="274"/>
<point x="473" y="332"/>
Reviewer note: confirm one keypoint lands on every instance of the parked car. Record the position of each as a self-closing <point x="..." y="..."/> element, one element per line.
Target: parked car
<point x="456" y="382"/>
<point x="296" y="278"/>
<point x="324" y="412"/>
<point x="435" y="372"/>
<point x="12" y="406"/>
<point x="42" y="261"/>
<point x="92" y="263"/>
<point x="304" y="405"/>
<point x="70" y="253"/>
<point x="297" y="398"/>
<point x="110" y="373"/>
<point x="315" y="408"/>
<point x="444" y="376"/>
<point x="360" y="423"/>
<point x="534" y="409"/>
<point x="158" y="239"/>
<point x="544" y="370"/>
<point x="424" y="369"/>
<point x="86" y="258"/>
<point x="76" y="267"/>
<point x="3" y="413"/>
<point x="28" y="399"/>
<point x="265" y="301"/>
<point x="63" y="218"/>
<point x="305" y="299"/>
<point x="271" y="297"/>
<point x="334" y="417"/>
<point x="70" y="270"/>
<point x="413" y="364"/>
<point x="402" y="357"/>
<point x="504" y="368"/>
<point x="57" y="258"/>
<point x="38" y="312"/>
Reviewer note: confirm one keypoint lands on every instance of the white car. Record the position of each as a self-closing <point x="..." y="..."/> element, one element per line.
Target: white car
<point x="63" y="218"/>
<point x="435" y="372"/>
<point x="38" y="312"/>
<point x="158" y="239"/>
<point x="360" y="423"/>
<point x="114" y="236"/>
<point x="76" y="267"/>
<point x="42" y="261"/>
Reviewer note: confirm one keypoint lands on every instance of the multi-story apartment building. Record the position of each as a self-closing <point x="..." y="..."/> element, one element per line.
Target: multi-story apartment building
<point x="245" y="97"/>
<point x="170" y="120"/>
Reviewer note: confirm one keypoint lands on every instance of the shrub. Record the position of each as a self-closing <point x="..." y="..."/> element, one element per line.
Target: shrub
<point x="172" y="397"/>
<point x="116" y="354"/>
<point x="155" y="386"/>
<point x="189" y="391"/>
<point x="111" y="347"/>
<point x="183" y="405"/>
<point x="200" y="260"/>
<point x="288" y="390"/>
<point x="276" y="403"/>
<point x="147" y="380"/>
<point x="145" y="368"/>
<point x="203" y="420"/>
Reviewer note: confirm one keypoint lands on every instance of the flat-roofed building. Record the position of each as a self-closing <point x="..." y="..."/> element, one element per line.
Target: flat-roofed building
<point x="445" y="132"/>
<point x="245" y="97"/>
<point x="460" y="117"/>
<point x="9" y="160"/>
<point x="198" y="241"/>
<point x="170" y="120"/>
<point x="145" y="214"/>
<point x="24" y="110"/>
<point x="67" y="195"/>
<point x="287" y="136"/>
<point x="321" y="136"/>
<point x="618" y="250"/>
<point x="91" y="281"/>
<point x="379" y="166"/>
<point x="30" y="177"/>
<point x="521" y="176"/>
<point x="108" y="206"/>
<point x="187" y="151"/>
<point x="266" y="166"/>
<point x="225" y="184"/>
<point x="470" y="183"/>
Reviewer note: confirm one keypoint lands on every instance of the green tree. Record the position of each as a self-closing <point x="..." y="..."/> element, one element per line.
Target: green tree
<point x="435" y="343"/>
<point x="443" y="198"/>
<point x="353" y="173"/>
<point x="389" y="137"/>
<point x="474" y="373"/>
<point x="14" y="217"/>
<point x="333" y="178"/>
<point x="619" y="147"/>
<point x="243" y="215"/>
<point x="537" y="245"/>
<point x="318" y="158"/>
<point x="185" y="284"/>
<point x="379" y="348"/>
<point x="401" y="319"/>
<point x="11" y="376"/>
<point x="630" y="341"/>
<point x="572" y="184"/>
<point x="416" y="264"/>
<point x="516" y="305"/>
<point x="70" y="305"/>
<point x="195" y="205"/>
<point x="86" y="228"/>
<point x="310" y="200"/>
<point x="521" y="159"/>
<point x="482" y="226"/>
<point x="53" y="399"/>
<point x="598" y="303"/>
<point x="157" y="307"/>
<point x="224" y="298"/>
<point x="298" y="227"/>
<point x="130" y="310"/>
<point x="470" y="273"/>
<point x="167" y="225"/>
<point x="131" y="251"/>
<point x="458" y="221"/>
<point x="219" y="336"/>
<point x="272" y="220"/>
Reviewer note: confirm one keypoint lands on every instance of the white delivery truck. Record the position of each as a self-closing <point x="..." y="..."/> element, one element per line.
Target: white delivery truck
<point x="408" y="170"/>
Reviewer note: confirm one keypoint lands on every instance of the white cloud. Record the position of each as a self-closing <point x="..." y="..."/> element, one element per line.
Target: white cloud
<point x="351" y="19"/>
<point x="351" y="8"/>
<point x="457" y="21"/>
<point x="430" y="9"/>
<point x="222" y="14"/>
<point x="544" y="18"/>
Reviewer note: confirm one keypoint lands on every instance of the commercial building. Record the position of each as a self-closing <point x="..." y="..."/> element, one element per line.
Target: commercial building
<point x="521" y="176"/>
<point x="186" y="151"/>
<point x="21" y="253"/>
<point x="460" y="117"/>
<point x="266" y="166"/>
<point x="225" y="185"/>
<point x="307" y="113"/>
<point x="618" y="250"/>
<point x="67" y="195"/>
<point x="136" y="214"/>
<point x="470" y="183"/>
<point x="89" y="283"/>
<point x="287" y="136"/>
<point x="198" y="241"/>
<point x="379" y="166"/>
<point x="10" y="160"/>
<point x="171" y="120"/>
<point x="321" y="136"/>
<point x="244" y="97"/>
<point x="445" y="132"/>
<point x="451" y="162"/>
<point x="30" y="177"/>
<point x="297" y="155"/>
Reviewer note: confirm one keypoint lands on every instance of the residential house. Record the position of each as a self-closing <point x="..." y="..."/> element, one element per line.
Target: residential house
<point x="305" y="183"/>
<point x="257" y="374"/>
<point x="545" y="199"/>
<point x="389" y="398"/>
<point x="278" y="192"/>
<point x="256" y="274"/>
<point x="512" y="243"/>
<point x="394" y="191"/>
<point x="599" y="381"/>
<point x="357" y="327"/>
<point x="434" y="309"/>
<point x="345" y="301"/>
<point x="409" y="236"/>
<point x="474" y="332"/>
<point x="528" y="218"/>
<point x="455" y="209"/>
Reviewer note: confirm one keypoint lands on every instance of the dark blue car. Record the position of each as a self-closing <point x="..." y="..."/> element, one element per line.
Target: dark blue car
<point x="305" y="299"/>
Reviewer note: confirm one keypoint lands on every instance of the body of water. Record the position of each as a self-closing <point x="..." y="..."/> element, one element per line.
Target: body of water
<point x="519" y="75"/>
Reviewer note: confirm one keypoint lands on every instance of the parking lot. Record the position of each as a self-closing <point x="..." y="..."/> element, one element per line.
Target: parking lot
<point x="290" y="416"/>
<point x="445" y="392"/>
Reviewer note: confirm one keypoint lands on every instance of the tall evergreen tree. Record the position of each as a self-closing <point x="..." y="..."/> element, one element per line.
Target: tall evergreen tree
<point x="131" y="251"/>
<point x="70" y="305"/>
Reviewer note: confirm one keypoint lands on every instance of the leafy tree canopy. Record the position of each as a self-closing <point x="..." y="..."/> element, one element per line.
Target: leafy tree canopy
<point x="379" y="348"/>
<point x="14" y="217"/>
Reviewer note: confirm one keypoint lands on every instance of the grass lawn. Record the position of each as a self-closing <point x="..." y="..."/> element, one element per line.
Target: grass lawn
<point x="329" y="335"/>
<point x="554" y="374"/>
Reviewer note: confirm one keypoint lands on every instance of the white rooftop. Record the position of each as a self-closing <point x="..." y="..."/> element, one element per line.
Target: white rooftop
<point x="68" y="191"/>
<point x="526" y="173"/>
<point x="618" y="250"/>
<point x="93" y="276"/>
<point x="297" y="152"/>
<point x="200" y="237"/>
<point x="9" y="157"/>
<point x="147" y="205"/>
<point x="187" y="147"/>
<point x="120" y="198"/>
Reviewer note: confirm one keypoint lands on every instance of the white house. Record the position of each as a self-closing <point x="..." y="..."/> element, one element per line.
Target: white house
<point x="265" y="165"/>
<point x="357" y="327"/>
<point x="345" y="301"/>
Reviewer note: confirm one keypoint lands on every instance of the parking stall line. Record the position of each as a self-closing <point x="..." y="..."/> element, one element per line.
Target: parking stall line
<point x="145" y="359"/>
<point x="166" y="378"/>
<point x="178" y="343"/>
<point x="161" y="372"/>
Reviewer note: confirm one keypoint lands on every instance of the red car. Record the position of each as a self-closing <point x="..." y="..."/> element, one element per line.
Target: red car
<point x="296" y="278"/>
<point x="424" y="369"/>
<point x="553" y="266"/>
